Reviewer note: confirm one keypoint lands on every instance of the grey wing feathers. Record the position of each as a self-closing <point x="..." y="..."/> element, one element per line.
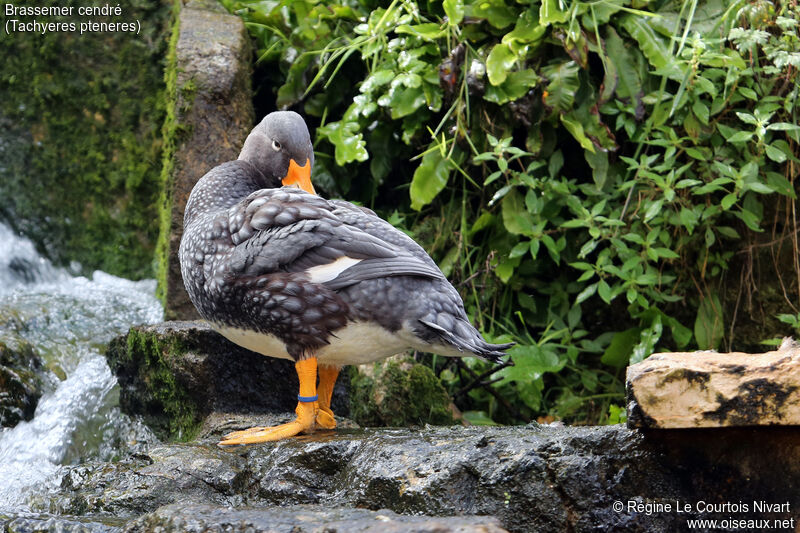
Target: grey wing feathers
<point x="292" y="231"/>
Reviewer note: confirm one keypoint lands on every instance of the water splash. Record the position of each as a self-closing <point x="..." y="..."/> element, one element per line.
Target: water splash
<point x="68" y="319"/>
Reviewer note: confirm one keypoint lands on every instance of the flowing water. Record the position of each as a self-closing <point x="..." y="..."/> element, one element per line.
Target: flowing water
<point x="68" y="319"/>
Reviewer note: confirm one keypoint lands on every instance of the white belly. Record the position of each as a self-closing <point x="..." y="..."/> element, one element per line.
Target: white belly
<point x="355" y="344"/>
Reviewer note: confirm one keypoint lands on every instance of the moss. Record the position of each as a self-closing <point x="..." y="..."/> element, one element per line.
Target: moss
<point x="146" y="361"/>
<point x="169" y="135"/>
<point x="398" y="393"/>
<point x="80" y="143"/>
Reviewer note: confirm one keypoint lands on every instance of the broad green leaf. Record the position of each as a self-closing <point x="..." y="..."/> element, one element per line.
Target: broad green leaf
<point x="604" y="291"/>
<point x="630" y="83"/>
<point x="516" y="85"/>
<point x="499" y="62"/>
<point x="428" y="31"/>
<point x="741" y="136"/>
<point x="648" y="339"/>
<point x="653" y="209"/>
<point x="496" y="12"/>
<point x="429" y="179"/>
<point x="405" y="101"/>
<point x="775" y="154"/>
<point x="729" y="200"/>
<point x="654" y="47"/>
<point x="516" y="217"/>
<point x="350" y="146"/>
<point x="563" y="83"/>
<point x="478" y="418"/>
<point x="454" y="9"/>
<point x="550" y="13"/>
<point x="783" y="126"/>
<point x="709" y="326"/>
<point x="576" y="130"/>
<point x="586" y="293"/>
<point x="780" y="184"/>
<point x="619" y="350"/>
<point x="526" y="32"/>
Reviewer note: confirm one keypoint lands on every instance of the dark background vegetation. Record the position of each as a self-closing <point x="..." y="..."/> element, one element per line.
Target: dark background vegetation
<point x="599" y="179"/>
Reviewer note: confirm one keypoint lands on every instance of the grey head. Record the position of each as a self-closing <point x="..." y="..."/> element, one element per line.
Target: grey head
<point x="280" y="137"/>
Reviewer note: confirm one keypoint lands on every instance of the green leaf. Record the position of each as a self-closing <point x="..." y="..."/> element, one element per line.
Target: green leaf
<point x="654" y="47"/>
<point x="516" y="217"/>
<point x="709" y="325"/>
<point x="454" y="9"/>
<point x="630" y="83"/>
<point x="549" y="13"/>
<point x="780" y="184"/>
<point x="783" y="126"/>
<point x="515" y="86"/>
<point x="619" y="350"/>
<point x="775" y="154"/>
<point x="604" y="291"/>
<point x="350" y="146"/>
<point x="496" y="12"/>
<point x="527" y="31"/>
<point x="563" y="84"/>
<point x="653" y="209"/>
<point x="741" y="136"/>
<point x="430" y="178"/>
<point x="427" y="32"/>
<point x="499" y="62"/>
<point x="729" y="200"/>
<point x="478" y="418"/>
<point x="406" y="100"/>
<point x="576" y="130"/>
<point x="586" y="293"/>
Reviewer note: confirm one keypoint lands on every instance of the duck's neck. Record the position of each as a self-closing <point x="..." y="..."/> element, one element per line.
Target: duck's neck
<point x="223" y="187"/>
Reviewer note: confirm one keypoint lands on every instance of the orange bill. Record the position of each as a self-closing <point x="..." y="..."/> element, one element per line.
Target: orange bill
<point x="299" y="176"/>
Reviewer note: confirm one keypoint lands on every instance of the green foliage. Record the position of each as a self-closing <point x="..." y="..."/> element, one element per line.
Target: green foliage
<point x="584" y="172"/>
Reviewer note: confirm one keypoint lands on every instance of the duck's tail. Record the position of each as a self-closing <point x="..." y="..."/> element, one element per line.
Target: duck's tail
<point x="466" y="338"/>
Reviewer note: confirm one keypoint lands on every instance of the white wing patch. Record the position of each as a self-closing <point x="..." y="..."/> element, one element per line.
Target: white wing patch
<point x="330" y="271"/>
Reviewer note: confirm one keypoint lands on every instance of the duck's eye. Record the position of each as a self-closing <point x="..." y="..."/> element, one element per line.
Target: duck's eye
<point x="276" y="146"/>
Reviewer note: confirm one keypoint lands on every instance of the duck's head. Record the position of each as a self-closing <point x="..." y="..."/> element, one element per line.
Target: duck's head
<point x="280" y="147"/>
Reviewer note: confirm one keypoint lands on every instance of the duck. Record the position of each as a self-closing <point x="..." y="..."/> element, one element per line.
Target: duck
<point x="279" y="270"/>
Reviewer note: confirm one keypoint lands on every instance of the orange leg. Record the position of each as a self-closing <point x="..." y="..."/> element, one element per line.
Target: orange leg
<point x="306" y="412"/>
<point x="327" y="379"/>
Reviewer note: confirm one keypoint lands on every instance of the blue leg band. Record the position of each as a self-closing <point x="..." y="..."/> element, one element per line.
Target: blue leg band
<point x="307" y="398"/>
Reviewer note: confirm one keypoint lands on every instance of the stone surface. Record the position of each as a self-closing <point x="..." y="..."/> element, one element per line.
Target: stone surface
<point x="175" y="374"/>
<point x="530" y="478"/>
<point x="56" y="523"/>
<point x="20" y="381"/>
<point x="211" y="115"/>
<point x="709" y="389"/>
<point x="304" y="519"/>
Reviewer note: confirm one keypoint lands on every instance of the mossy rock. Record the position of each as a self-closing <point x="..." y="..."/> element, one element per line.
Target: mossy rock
<point x="80" y="138"/>
<point x="20" y="382"/>
<point x="398" y="392"/>
<point x="175" y="374"/>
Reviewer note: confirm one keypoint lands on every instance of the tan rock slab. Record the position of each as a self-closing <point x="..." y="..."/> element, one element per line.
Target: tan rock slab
<point x="711" y="389"/>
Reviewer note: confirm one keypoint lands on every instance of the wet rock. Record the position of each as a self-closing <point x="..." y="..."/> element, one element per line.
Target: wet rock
<point x="304" y="519"/>
<point x="61" y="524"/>
<point x="20" y="381"/>
<point x="709" y="389"/>
<point x="212" y="113"/>
<point x="398" y="392"/>
<point x="530" y="478"/>
<point x="175" y="374"/>
<point x="166" y="474"/>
